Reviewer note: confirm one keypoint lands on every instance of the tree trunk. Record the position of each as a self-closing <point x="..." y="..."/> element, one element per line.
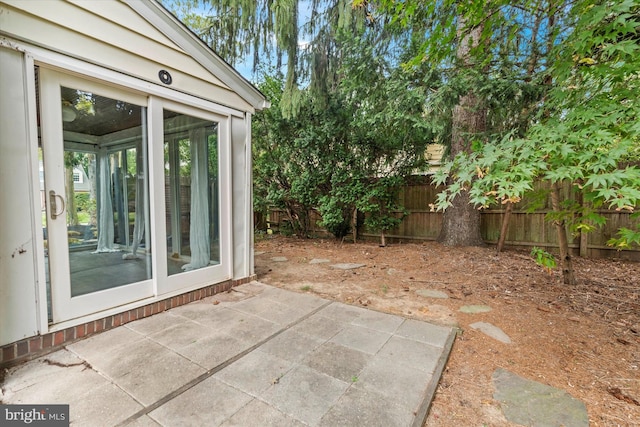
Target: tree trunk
<point x="563" y="242"/>
<point x="93" y="192"/>
<point x="505" y="226"/>
<point x="355" y="225"/>
<point x="461" y="224"/>
<point x="383" y="242"/>
<point x="72" y="211"/>
<point x="461" y="221"/>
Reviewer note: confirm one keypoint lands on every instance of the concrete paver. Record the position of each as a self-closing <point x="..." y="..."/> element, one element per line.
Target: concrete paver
<point x="432" y="293"/>
<point x="258" y="410"/>
<point x="474" y="309"/>
<point x="535" y="404"/>
<point x="338" y="361"/>
<point x="257" y="355"/>
<point x="347" y="266"/>
<point x="364" y="408"/>
<point x="208" y="403"/>
<point x="492" y="331"/>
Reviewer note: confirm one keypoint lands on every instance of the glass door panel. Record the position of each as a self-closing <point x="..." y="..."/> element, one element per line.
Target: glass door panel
<point x="191" y="187"/>
<point x="95" y="179"/>
<point x="105" y="248"/>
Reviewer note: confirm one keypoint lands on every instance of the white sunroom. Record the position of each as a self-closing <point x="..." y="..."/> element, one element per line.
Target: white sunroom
<point x="155" y="130"/>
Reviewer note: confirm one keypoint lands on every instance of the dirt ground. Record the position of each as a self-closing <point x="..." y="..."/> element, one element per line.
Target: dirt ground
<point x="583" y="339"/>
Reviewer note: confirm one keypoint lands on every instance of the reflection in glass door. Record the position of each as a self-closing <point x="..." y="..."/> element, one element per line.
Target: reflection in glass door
<point x="106" y="192"/>
<point x="191" y="186"/>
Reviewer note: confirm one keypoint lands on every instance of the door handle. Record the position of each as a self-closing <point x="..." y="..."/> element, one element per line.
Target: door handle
<point x="54" y="205"/>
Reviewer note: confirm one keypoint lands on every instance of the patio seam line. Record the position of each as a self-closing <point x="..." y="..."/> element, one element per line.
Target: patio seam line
<point x="429" y="393"/>
<point x="209" y="373"/>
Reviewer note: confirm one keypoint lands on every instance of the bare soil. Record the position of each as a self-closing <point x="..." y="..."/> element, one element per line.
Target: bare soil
<point x="583" y="339"/>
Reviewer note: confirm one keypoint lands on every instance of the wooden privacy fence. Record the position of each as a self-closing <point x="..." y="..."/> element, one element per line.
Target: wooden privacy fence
<point x="526" y="229"/>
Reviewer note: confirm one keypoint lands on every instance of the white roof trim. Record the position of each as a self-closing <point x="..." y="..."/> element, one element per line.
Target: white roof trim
<point x="175" y="30"/>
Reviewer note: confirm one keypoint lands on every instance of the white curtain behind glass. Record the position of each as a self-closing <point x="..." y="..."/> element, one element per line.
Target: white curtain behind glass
<point x="199" y="226"/>
<point x="105" y="206"/>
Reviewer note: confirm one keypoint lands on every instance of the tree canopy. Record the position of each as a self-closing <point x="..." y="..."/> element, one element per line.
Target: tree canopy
<point x="522" y="92"/>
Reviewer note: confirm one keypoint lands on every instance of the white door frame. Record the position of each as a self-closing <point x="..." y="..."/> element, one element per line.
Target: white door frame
<point x="72" y="72"/>
<point x="64" y="306"/>
<point x="208" y="275"/>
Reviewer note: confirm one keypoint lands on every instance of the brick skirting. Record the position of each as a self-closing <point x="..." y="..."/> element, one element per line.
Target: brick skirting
<point x="32" y="347"/>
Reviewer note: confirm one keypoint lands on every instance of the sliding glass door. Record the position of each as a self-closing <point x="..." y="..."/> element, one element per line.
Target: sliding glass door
<point x="137" y="195"/>
<point x="94" y="145"/>
<point x="191" y="176"/>
<point x="195" y="161"/>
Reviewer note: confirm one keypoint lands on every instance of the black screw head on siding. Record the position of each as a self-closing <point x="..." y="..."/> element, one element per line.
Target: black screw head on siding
<point x="165" y="77"/>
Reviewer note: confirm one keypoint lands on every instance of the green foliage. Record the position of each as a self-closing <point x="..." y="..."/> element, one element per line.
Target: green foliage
<point x="586" y="129"/>
<point x="627" y="238"/>
<point x="349" y="150"/>
<point x="543" y="258"/>
<point x="267" y="32"/>
<point x="557" y="81"/>
<point x="84" y="202"/>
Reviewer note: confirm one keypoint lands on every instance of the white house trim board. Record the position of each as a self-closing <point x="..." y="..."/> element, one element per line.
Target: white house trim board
<point x="45" y="58"/>
<point x="17" y="243"/>
<point x="36" y="220"/>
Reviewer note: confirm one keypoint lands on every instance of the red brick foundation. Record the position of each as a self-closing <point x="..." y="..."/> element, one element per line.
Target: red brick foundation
<point x="32" y="347"/>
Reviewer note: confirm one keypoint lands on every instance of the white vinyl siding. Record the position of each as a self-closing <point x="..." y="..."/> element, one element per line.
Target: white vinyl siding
<point x="121" y="40"/>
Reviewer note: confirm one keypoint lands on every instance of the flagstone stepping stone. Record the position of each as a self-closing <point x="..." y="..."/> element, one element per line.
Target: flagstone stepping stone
<point x="319" y="261"/>
<point x="347" y="266"/>
<point x="432" y="293"/>
<point x="531" y="403"/>
<point x="279" y="259"/>
<point x="475" y="309"/>
<point x="259" y="253"/>
<point x="492" y="330"/>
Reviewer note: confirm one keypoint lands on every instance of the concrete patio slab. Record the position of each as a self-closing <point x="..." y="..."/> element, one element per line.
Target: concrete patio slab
<point x="338" y="361"/>
<point x="363" y="408"/>
<point x="256" y="355"/>
<point x="258" y="410"/>
<point x="208" y="403"/>
<point x="306" y="394"/>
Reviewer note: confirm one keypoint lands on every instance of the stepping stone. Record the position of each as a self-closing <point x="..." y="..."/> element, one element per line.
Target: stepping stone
<point x="319" y="261"/>
<point x="279" y="259"/>
<point x="347" y="266"/>
<point x="475" y="309"/>
<point x="492" y="331"/>
<point x="432" y="293"/>
<point x="259" y="253"/>
<point x="531" y="403"/>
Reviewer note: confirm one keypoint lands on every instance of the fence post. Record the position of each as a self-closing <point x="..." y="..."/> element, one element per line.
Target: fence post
<point x="584" y="236"/>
